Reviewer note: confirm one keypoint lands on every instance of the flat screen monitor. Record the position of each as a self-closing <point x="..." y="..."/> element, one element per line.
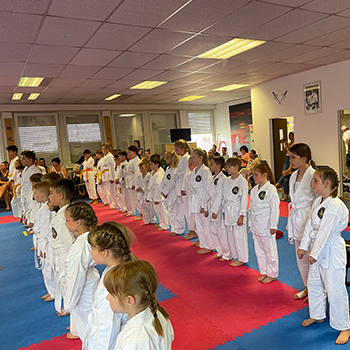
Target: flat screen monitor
<point x="177" y="134"/>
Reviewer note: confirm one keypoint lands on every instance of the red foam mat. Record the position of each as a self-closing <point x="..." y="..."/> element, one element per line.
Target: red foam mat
<point x="7" y="219"/>
<point x="56" y="343"/>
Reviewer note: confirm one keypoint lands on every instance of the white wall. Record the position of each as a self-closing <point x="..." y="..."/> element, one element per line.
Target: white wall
<point x="320" y="131"/>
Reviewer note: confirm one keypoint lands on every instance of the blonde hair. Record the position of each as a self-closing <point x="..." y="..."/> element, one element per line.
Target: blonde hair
<point x="136" y="278"/>
<point x="174" y="159"/>
<point x="183" y="145"/>
<point x="263" y="168"/>
<point x="107" y="145"/>
<point x="43" y="186"/>
<point x="114" y="237"/>
<point x="201" y="153"/>
<point x="84" y="212"/>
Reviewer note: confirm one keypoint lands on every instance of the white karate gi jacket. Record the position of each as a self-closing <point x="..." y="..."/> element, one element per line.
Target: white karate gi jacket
<point x="16" y="199"/>
<point x="120" y="173"/>
<point x="103" y="325"/>
<point x="142" y="182"/>
<point x="153" y="193"/>
<point x="235" y="199"/>
<point x="26" y="187"/>
<point x="214" y="195"/>
<point x="168" y="184"/>
<point x="88" y="171"/>
<point x="198" y="186"/>
<point x="264" y="209"/>
<point x="301" y="203"/>
<point x="181" y="172"/>
<point x="140" y="334"/>
<point x="12" y="168"/>
<point x="132" y="171"/>
<point x="107" y="167"/>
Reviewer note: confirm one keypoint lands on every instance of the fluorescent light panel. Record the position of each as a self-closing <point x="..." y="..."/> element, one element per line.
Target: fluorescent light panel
<point x="191" y="98"/>
<point x="33" y="96"/>
<point x="112" y="97"/>
<point x="230" y="87"/>
<point x="17" y="96"/>
<point x="231" y="48"/>
<point x="148" y="85"/>
<point x="30" y="82"/>
<point x="127" y="115"/>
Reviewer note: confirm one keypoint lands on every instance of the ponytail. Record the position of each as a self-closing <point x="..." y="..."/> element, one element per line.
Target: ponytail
<point x="303" y="150"/>
<point x="326" y="173"/>
<point x="263" y="168"/>
<point x="201" y="153"/>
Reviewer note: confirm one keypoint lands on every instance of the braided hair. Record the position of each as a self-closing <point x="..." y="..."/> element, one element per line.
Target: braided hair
<point x="84" y="212"/>
<point x="114" y="237"/>
<point x="136" y="278"/>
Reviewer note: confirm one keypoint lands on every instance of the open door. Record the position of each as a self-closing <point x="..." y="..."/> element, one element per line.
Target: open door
<point x="279" y="133"/>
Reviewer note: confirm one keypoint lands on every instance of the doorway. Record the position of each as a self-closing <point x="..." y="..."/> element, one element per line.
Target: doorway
<point x="344" y="119"/>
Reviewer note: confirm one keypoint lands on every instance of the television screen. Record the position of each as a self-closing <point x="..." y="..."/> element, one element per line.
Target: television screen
<point x="177" y="134"/>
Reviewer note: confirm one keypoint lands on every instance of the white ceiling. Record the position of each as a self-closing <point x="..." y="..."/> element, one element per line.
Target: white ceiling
<point x="95" y="48"/>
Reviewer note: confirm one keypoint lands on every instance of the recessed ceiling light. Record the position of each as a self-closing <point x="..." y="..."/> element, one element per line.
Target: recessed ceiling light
<point x="149" y="85"/>
<point x="30" y="82"/>
<point x="230" y="87"/>
<point x="126" y="115"/>
<point x="112" y="97"/>
<point x="33" y="96"/>
<point x="231" y="48"/>
<point x="17" y="96"/>
<point x="191" y="98"/>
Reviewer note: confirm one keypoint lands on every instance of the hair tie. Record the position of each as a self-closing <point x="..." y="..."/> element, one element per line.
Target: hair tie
<point x="126" y="254"/>
<point x="155" y="315"/>
<point x="310" y="161"/>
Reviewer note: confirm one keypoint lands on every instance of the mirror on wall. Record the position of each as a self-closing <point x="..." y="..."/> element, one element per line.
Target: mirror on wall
<point x="344" y="178"/>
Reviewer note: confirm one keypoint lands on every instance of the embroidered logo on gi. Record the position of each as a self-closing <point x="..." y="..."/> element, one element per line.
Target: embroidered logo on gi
<point x="198" y="178"/>
<point x="168" y="176"/>
<point x="235" y="190"/>
<point x="54" y="233"/>
<point x="216" y="181"/>
<point x="123" y="166"/>
<point x="262" y="195"/>
<point x="321" y="212"/>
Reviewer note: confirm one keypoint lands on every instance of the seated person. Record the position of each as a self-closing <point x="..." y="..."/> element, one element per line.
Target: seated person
<point x="57" y="168"/>
<point x="5" y="193"/>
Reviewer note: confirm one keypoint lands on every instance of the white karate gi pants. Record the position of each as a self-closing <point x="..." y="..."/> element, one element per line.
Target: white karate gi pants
<point x="219" y="238"/>
<point x="176" y="217"/>
<point x="202" y="226"/>
<point x="303" y="264"/>
<point x="109" y="190"/>
<point x="162" y="214"/>
<point x="91" y="189"/>
<point x="102" y="194"/>
<point x="238" y="242"/>
<point x="189" y="216"/>
<point x="129" y="201"/>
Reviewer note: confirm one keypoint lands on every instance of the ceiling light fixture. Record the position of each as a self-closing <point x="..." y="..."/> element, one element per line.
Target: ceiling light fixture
<point x="17" y="96"/>
<point x="148" y="85"/>
<point x="191" y="98"/>
<point x="230" y="87"/>
<point x="126" y="115"/>
<point x="112" y="97"/>
<point x="33" y="96"/>
<point x="30" y="82"/>
<point x="231" y="48"/>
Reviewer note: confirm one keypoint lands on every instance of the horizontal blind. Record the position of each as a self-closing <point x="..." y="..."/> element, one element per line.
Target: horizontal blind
<point x="83" y="128"/>
<point x="200" y="123"/>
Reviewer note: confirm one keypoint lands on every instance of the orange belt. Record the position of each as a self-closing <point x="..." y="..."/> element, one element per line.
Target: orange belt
<point x="85" y="170"/>
<point x="14" y="190"/>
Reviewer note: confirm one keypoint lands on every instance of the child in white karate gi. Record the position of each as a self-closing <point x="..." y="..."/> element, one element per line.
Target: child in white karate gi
<point x="154" y="195"/>
<point x="16" y="189"/>
<point x="99" y="171"/>
<point x="79" y="280"/>
<point x="132" y="287"/>
<point x="234" y="240"/>
<point x="186" y="200"/>
<point x="34" y="206"/>
<point x="120" y="180"/>
<point x="89" y="176"/>
<point x="213" y="203"/>
<point x="328" y="218"/>
<point x="110" y="245"/>
<point x="263" y="221"/>
<point x="146" y="208"/>
<point x="200" y="177"/>
<point x="302" y="197"/>
<point x="168" y="190"/>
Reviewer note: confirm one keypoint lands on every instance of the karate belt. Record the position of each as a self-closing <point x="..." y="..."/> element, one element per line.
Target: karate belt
<point x="86" y="171"/>
<point x="15" y="189"/>
<point x="292" y="208"/>
<point x="99" y="174"/>
<point x="131" y="172"/>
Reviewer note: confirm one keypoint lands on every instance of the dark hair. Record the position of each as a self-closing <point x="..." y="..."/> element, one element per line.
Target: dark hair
<point x="303" y="150"/>
<point x="28" y="154"/>
<point x="138" y="142"/>
<point x="253" y="151"/>
<point x="12" y="148"/>
<point x="51" y="177"/>
<point x="80" y="160"/>
<point x="326" y="173"/>
<point x="235" y="153"/>
<point x="87" y="151"/>
<point x="215" y="146"/>
<point x="123" y="153"/>
<point x="84" y="212"/>
<point x="234" y="162"/>
<point x="224" y="148"/>
<point x="155" y="158"/>
<point x="263" y="168"/>
<point x="43" y="160"/>
<point x="133" y="148"/>
<point x="37" y="177"/>
<point x="5" y="163"/>
<point x="65" y="186"/>
<point x="56" y="159"/>
<point x="218" y="160"/>
<point x="245" y="148"/>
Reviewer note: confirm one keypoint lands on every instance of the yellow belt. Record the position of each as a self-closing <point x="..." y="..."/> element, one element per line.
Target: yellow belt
<point x="99" y="174"/>
<point x="130" y="171"/>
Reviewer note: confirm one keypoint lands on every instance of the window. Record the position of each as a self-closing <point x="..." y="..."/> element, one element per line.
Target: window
<point x="201" y="130"/>
<point x="83" y="133"/>
<point x="161" y="125"/>
<point x="38" y="133"/>
<point x="128" y="129"/>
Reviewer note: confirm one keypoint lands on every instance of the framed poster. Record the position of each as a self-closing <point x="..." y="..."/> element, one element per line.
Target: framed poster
<point x="312" y="98"/>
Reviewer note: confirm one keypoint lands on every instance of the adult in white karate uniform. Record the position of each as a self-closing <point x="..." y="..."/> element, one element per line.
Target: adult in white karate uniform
<point x="108" y="176"/>
<point x="146" y="208"/>
<point x="263" y="221"/>
<point x="131" y="173"/>
<point x="328" y="218"/>
<point x="200" y="177"/>
<point x="16" y="188"/>
<point x="89" y="176"/>
<point x="235" y="203"/>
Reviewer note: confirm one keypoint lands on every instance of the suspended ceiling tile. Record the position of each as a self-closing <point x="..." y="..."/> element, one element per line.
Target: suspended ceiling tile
<point x="331" y="38"/>
<point x="341" y="56"/>
<point x="165" y="62"/>
<point x="327" y="6"/>
<point x="100" y="83"/>
<point x="17" y="27"/>
<point x="24" y="6"/>
<point x="8" y="69"/>
<point x="132" y="59"/>
<point x="323" y="52"/>
<point x="122" y="84"/>
<point x="145" y="13"/>
<point x="79" y="71"/>
<point x="294" y="3"/>
<point x="199" y="14"/>
<point x="66" y="32"/>
<point x="43" y="70"/>
<point x="284" y="24"/>
<point x="94" y="57"/>
<point x="169" y="75"/>
<point x="345" y="13"/>
<point x="11" y="52"/>
<point x="52" y="54"/>
<point x="62" y="82"/>
<point x="250" y="16"/>
<point x="296" y="69"/>
<point x="195" y="64"/>
<point x="116" y="36"/>
<point x="112" y="73"/>
<point x="342" y="45"/>
<point x="9" y="81"/>
<point x="160" y="41"/>
<point x="223" y="66"/>
<point x="142" y="74"/>
<point x="191" y="78"/>
<point x="83" y="9"/>
<point x="84" y="90"/>
<point x="316" y="30"/>
<point x="48" y="101"/>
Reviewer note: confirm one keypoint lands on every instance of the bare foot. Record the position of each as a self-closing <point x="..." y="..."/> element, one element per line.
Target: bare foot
<point x="173" y="234"/>
<point x="156" y="225"/>
<point x="30" y="225"/>
<point x="161" y="229"/>
<point x="32" y="248"/>
<point x="261" y="278"/>
<point x="93" y="202"/>
<point x="310" y="321"/>
<point x="191" y="235"/>
<point x="49" y="298"/>
<point x="300" y="295"/>
<point x="45" y="296"/>
<point x="127" y="215"/>
<point x="222" y="259"/>
<point x="203" y="251"/>
<point x="111" y="208"/>
<point x="343" y="337"/>
<point x="237" y="263"/>
<point x="268" y="279"/>
<point x="103" y="205"/>
<point x="217" y="256"/>
<point x="71" y="336"/>
<point x="8" y="208"/>
<point x="62" y="314"/>
<point x="68" y="328"/>
<point x="196" y="243"/>
<point x="138" y="218"/>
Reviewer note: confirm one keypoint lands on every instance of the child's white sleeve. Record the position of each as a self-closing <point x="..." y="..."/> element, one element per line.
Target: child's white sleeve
<point x="244" y="201"/>
<point x="206" y="177"/>
<point x="275" y="210"/>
